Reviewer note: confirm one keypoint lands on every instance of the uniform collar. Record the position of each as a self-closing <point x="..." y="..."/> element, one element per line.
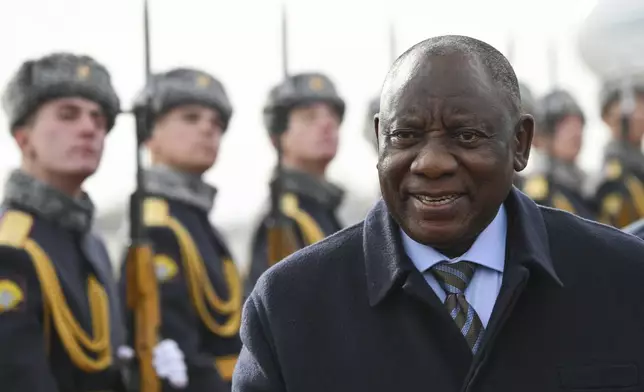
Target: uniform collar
<point x="26" y="192"/>
<point x="630" y="156"/>
<point x="387" y="264"/>
<point x="322" y="192"/>
<point x="179" y="186"/>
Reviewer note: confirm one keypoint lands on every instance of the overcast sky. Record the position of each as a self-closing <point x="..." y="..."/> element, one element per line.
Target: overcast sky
<point x="239" y="42"/>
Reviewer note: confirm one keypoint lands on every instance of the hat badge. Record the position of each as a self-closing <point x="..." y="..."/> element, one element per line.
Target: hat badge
<point x="316" y="83"/>
<point x="83" y="71"/>
<point x="203" y="81"/>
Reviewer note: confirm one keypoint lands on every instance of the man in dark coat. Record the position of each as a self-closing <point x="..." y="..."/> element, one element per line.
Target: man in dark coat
<point x="456" y="281"/>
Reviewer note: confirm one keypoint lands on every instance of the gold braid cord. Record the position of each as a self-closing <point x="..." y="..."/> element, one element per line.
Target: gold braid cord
<point x="76" y="341"/>
<point x="202" y="293"/>
<point x="310" y="229"/>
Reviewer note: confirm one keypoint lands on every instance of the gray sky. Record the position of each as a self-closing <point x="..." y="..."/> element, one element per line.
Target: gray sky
<point x="239" y="42"/>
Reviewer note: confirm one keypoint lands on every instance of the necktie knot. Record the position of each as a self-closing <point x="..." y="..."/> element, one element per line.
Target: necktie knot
<point x="454" y="278"/>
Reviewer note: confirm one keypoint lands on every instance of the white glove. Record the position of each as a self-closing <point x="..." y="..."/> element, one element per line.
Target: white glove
<point x="169" y="363"/>
<point x="167" y="360"/>
<point x="125" y="353"/>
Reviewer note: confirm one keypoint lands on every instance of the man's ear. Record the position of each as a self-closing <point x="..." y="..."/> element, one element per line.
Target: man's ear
<point x="274" y="139"/>
<point x="22" y="136"/>
<point x="376" y="127"/>
<point x="523" y="134"/>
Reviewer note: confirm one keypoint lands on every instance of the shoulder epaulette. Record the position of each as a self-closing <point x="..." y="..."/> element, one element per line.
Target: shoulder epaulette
<point x="613" y="169"/>
<point x="15" y="227"/>
<point x="536" y="187"/>
<point x="612" y="203"/>
<point x="309" y="227"/>
<point x="290" y="204"/>
<point x="155" y="211"/>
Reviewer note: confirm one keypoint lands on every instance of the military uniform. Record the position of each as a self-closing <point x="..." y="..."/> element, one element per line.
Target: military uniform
<point x="620" y="193"/>
<point x="560" y="186"/>
<point x="555" y="183"/>
<point x="620" y="196"/>
<point x="199" y="287"/>
<point x="60" y="323"/>
<point x="310" y="204"/>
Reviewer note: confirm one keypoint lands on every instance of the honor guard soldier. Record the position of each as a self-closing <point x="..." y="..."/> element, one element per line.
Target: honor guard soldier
<point x="60" y="325"/>
<point x="620" y="195"/>
<point x="303" y="116"/>
<point x="199" y="287"/>
<point x="557" y="181"/>
<point x="60" y="321"/>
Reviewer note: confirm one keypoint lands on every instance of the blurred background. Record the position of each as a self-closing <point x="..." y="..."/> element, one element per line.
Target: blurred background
<point x="239" y="42"/>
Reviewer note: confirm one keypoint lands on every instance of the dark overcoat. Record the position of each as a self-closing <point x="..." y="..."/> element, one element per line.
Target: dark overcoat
<point x="351" y="313"/>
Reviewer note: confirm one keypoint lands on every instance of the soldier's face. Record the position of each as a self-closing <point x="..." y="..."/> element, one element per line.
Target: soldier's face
<point x="613" y="120"/>
<point x="567" y="140"/>
<point x="312" y="134"/>
<point x="450" y="141"/>
<point x="65" y="137"/>
<point x="187" y="138"/>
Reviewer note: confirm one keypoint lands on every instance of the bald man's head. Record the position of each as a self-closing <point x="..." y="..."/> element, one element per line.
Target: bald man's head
<point x="414" y="64"/>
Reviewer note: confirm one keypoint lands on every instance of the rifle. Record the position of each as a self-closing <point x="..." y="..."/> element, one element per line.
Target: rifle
<point x="281" y="238"/>
<point x="393" y="50"/>
<point x="627" y="103"/>
<point x="553" y="64"/>
<point x="142" y="291"/>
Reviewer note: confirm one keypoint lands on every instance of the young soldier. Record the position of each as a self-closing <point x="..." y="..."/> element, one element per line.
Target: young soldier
<point x="200" y="291"/>
<point x="303" y="116"/>
<point x="60" y="324"/>
<point x="620" y="195"/>
<point x="556" y="180"/>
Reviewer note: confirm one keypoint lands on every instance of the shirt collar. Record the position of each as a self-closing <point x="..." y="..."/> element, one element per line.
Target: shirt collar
<point x="488" y="250"/>
<point x="387" y="265"/>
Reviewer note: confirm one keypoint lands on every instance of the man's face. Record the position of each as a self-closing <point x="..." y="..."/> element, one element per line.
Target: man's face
<point x="187" y="138"/>
<point x="312" y="134"/>
<point x="450" y="141"/>
<point x="613" y="120"/>
<point x="64" y="137"/>
<point x="567" y="139"/>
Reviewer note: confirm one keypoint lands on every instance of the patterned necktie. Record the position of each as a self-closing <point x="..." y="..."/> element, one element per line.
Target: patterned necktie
<point x="454" y="279"/>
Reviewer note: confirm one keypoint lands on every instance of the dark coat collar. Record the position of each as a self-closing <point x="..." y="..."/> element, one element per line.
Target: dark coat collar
<point x="387" y="265"/>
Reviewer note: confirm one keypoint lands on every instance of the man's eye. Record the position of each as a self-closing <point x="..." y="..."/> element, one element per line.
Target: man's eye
<point x="68" y="114"/>
<point x="191" y="117"/>
<point x="468" y="136"/>
<point x="404" y="134"/>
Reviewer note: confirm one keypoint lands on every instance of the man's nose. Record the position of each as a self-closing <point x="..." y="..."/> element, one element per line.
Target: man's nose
<point x="88" y="125"/>
<point x="434" y="160"/>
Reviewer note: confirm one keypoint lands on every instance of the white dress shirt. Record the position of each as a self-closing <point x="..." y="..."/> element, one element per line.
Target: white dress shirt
<point x="487" y="252"/>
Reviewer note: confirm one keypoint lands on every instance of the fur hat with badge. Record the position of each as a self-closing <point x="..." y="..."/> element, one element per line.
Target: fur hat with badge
<point x="184" y="86"/>
<point x="58" y="75"/>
